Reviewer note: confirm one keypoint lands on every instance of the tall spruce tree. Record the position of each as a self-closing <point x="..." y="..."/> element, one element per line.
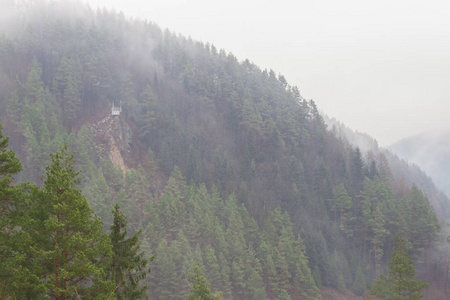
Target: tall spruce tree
<point x="9" y="165"/>
<point x="9" y="214"/>
<point x="399" y="282"/>
<point x="343" y="206"/>
<point x="69" y="250"/>
<point x="200" y="287"/>
<point x="129" y="266"/>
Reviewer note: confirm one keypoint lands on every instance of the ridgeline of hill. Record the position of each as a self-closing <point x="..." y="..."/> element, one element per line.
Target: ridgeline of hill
<point x="216" y="160"/>
<point x="430" y="151"/>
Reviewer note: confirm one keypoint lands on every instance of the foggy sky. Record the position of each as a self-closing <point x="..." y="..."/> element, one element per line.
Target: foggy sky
<point x="381" y="67"/>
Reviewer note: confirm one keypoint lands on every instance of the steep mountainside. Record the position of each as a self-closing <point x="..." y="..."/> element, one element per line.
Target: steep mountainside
<point x="218" y="161"/>
<point x="404" y="171"/>
<point x="431" y="152"/>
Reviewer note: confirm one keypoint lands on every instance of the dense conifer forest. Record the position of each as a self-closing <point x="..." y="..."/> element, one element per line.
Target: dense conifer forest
<point x="221" y="171"/>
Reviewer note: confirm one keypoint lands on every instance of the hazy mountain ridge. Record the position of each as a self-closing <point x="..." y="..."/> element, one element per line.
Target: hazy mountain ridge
<point x="430" y="151"/>
<point x="404" y="169"/>
<point x="216" y="160"/>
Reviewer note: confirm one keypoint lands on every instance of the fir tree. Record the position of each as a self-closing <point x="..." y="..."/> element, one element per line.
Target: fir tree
<point x="359" y="285"/>
<point x="343" y="206"/>
<point x="200" y="287"/>
<point x="378" y="225"/>
<point x="147" y="114"/>
<point x="129" y="266"/>
<point x="69" y="249"/>
<point x="399" y="282"/>
<point x="9" y="213"/>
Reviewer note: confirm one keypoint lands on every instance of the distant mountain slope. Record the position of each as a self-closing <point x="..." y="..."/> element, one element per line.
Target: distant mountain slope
<point x="217" y="161"/>
<point x="431" y="152"/>
<point x="427" y="152"/>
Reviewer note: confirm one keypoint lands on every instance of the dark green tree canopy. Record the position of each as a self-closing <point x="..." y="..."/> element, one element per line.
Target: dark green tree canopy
<point x="11" y="205"/>
<point x="200" y="287"/>
<point x="128" y="267"/>
<point x="263" y="193"/>
<point x="69" y="249"/>
<point x="399" y="283"/>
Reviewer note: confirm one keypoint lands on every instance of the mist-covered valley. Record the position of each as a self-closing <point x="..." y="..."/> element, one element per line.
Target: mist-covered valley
<point x="212" y="171"/>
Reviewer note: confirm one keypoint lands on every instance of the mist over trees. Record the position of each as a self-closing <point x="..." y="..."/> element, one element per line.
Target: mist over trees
<point x="212" y="161"/>
<point x="430" y="152"/>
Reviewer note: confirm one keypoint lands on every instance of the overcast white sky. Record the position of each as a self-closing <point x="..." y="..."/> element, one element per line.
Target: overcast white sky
<point x="381" y="67"/>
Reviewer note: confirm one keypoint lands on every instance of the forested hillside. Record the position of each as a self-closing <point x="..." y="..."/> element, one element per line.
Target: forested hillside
<point x="404" y="171"/>
<point x="430" y="151"/>
<point x="217" y="161"/>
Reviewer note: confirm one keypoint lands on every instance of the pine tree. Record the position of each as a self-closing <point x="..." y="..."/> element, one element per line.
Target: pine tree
<point x="237" y="278"/>
<point x="359" y="285"/>
<point x="9" y="165"/>
<point x="423" y="223"/>
<point x="147" y="114"/>
<point x="69" y="249"/>
<point x="164" y="272"/>
<point x="72" y="100"/>
<point x="399" y="282"/>
<point x="129" y="266"/>
<point x="357" y="168"/>
<point x="368" y="197"/>
<point x="200" y="287"/>
<point x="213" y="267"/>
<point x="343" y="206"/>
<point x="225" y="276"/>
<point x="378" y="225"/>
<point x="304" y="281"/>
<point x="10" y="208"/>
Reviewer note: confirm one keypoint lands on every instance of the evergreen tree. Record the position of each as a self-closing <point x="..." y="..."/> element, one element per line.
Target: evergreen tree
<point x="343" y="206"/>
<point x="304" y="281"/>
<point x="72" y="101"/>
<point x="379" y="237"/>
<point x="164" y="273"/>
<point x="200" y="287"/>
<point x="399" y="282"/>
<point x="213" y="267"/>
<point x="359" y="285"/>
<point x="225" y="276"/>
<point x="128" y="267"/>
<point x="9" y="165"/>
<point x="147" y="114"/>
<point x="423" y="223"/>
<point x="357" y="169"/>
<point x="10" y="195"/>
<point x="368" y="197"/>
<point x="69" y="251"/>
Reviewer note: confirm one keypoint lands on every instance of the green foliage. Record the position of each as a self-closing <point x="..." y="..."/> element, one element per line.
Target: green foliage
<point x="11" y="200"/>
<point x="69" y="249"/>
<point x="379" y="237"/>
<point x="272" y="194"/>
<point x="128" y="266"/>
<point x="200" y="287"/>
<point x="359" y="285"/>
<point x="9" y="164"/>
<point x="341" y="284"/>
<point x="399" y="282"/>
<point x="343" y="207"/>
<point x="316" y="276"/>
<point x="147" y="115"/>
<point x="423" y="222"/>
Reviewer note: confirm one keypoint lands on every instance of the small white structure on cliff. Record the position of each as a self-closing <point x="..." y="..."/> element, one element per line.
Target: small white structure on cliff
<point x="115" y="111"/>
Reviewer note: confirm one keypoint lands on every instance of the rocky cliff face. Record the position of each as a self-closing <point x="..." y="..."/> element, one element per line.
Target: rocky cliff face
<point x="113" y="137"/>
